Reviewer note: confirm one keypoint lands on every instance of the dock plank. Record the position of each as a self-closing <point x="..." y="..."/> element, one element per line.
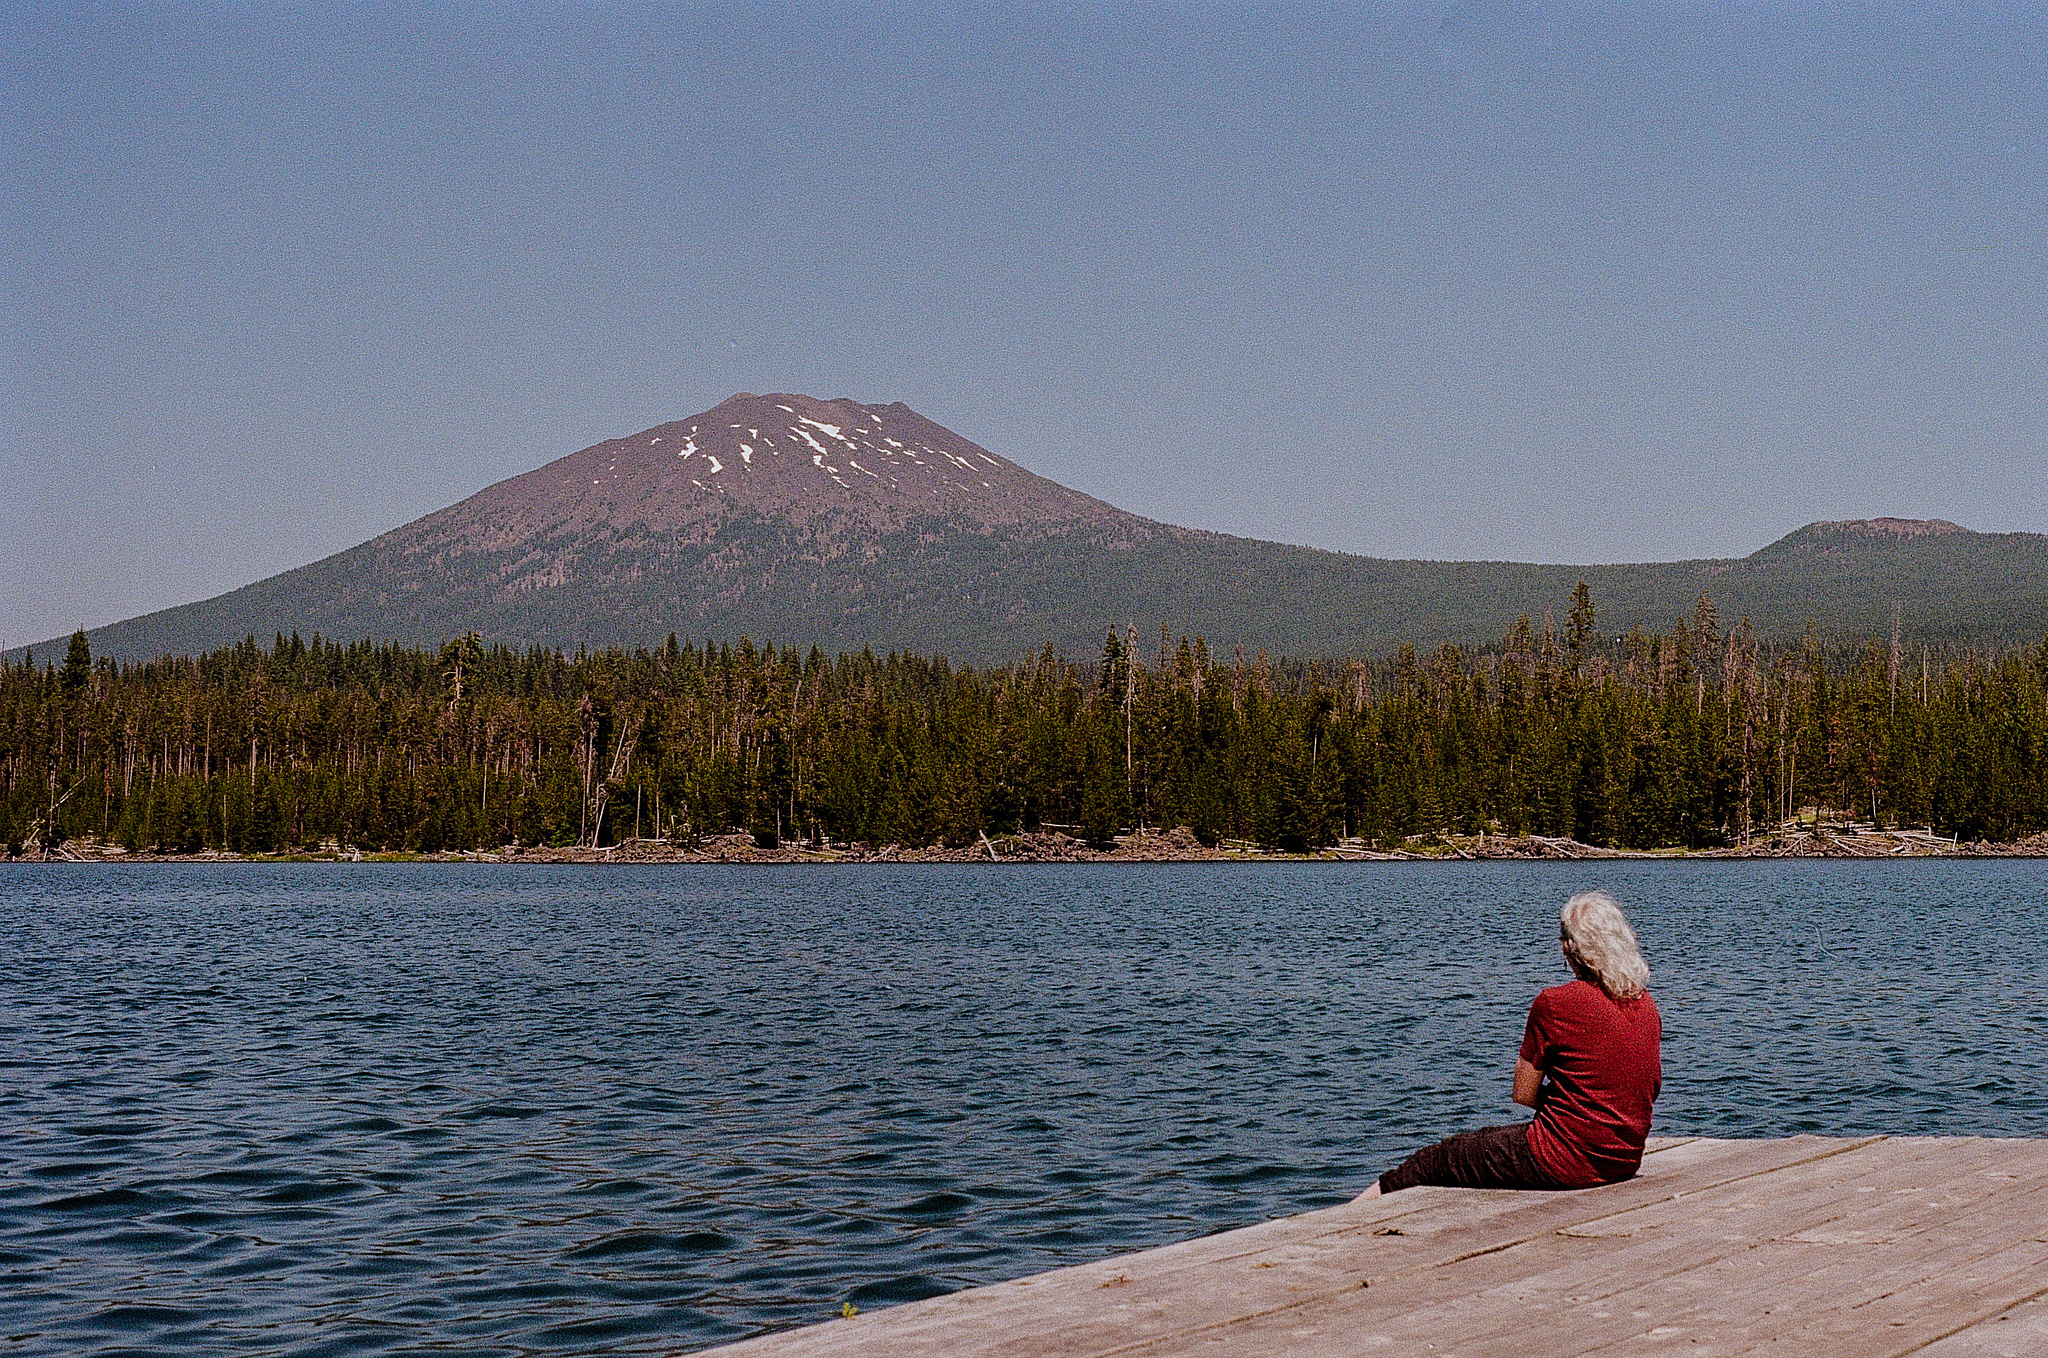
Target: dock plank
<point x="2021" y="1332"/>
<point x="1864" y="1246"/>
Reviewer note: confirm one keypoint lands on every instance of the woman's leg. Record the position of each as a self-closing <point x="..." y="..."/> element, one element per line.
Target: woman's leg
<point x="1491" y="1157"/>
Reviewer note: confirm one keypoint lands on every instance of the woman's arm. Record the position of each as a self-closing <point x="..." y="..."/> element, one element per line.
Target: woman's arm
<point x="1528" y="1084"/>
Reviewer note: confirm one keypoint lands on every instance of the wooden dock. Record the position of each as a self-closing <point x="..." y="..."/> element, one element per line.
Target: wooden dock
<point x="1859" y="1247"/>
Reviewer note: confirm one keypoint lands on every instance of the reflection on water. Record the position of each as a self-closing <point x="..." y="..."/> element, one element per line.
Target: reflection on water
<point x="374" y="1109"/>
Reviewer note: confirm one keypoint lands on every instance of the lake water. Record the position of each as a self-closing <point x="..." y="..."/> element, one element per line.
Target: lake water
<point x="342" y="1109"/>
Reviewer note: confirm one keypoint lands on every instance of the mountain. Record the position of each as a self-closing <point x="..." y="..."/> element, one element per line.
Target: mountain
<point x="802" y="521"/>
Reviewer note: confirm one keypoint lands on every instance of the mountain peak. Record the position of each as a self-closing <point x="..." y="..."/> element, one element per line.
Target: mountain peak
<point x="821" y="466"/>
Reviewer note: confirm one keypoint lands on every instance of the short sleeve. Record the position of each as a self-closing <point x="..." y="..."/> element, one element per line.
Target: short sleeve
<point x="1535" y="1033"/>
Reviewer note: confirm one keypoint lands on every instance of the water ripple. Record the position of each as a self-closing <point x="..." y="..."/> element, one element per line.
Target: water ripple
<point x="381" y="1109"/>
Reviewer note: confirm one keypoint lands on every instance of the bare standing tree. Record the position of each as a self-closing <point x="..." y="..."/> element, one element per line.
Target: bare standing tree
<point x="1892" y="675"/>
<point x="1130" y="691"/>
<point x="1706" y="639"/>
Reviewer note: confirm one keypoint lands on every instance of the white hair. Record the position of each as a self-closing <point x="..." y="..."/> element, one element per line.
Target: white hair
<point x="1599" y="943"/>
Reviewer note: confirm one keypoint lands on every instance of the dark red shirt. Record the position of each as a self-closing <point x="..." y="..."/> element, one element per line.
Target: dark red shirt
<point x="1600" y="1062"/>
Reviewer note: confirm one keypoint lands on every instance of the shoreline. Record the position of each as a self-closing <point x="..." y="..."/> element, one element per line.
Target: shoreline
<point x="1142" y="846"/>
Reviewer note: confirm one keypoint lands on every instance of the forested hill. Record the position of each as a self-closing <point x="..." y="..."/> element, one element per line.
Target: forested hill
<point x="855" y="526"/>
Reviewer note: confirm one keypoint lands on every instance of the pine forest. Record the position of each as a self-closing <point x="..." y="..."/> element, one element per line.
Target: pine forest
<point x="1694" y="738"/>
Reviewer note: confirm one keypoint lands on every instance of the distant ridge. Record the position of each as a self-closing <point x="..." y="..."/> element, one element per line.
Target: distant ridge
<point x="800" y="521"/>
<point x="1850" y="534"/>
<point x="1885" y="528"/>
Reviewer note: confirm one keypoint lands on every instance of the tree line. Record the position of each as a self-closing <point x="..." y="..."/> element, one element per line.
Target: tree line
<point x="1692" y="737"/>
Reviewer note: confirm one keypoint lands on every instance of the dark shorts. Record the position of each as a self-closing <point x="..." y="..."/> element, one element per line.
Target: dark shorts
<point x="1491" y="1157"/>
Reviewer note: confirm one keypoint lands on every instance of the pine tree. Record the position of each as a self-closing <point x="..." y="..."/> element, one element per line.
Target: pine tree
<point x="1579" y="634"/>
<point x="77" y="671"/>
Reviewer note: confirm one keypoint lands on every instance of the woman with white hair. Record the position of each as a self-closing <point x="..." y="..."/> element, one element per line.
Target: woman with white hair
<point x="1589" y="1066"/>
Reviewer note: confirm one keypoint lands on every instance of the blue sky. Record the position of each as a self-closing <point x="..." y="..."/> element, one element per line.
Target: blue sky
<point x="1522" y="282"/>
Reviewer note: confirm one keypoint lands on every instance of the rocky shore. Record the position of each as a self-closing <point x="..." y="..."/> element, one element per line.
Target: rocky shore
<point x="1792" y="840"/>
